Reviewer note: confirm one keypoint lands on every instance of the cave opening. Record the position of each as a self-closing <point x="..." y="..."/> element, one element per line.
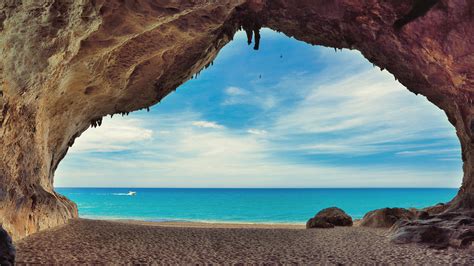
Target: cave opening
<point x="74" y="64"/>
<point x="291" y="115"/>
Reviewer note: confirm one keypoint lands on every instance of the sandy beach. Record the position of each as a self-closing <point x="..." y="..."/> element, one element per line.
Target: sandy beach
<point x="135" y="242"/>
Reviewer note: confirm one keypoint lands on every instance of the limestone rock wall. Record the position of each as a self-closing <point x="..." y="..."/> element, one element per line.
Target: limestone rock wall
<point x="67" y="63"/>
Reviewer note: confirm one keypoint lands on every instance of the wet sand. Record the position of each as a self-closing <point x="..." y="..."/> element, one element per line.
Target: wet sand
<point x="134" y="242"/>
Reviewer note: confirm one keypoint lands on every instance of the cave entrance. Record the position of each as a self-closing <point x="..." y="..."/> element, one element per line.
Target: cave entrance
<point x="291" y="115"/>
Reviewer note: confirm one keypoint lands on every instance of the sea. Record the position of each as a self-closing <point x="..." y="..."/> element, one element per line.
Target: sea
<point x="236" y="205"/>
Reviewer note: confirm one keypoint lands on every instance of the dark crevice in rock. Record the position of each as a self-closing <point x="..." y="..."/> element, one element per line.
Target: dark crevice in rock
<point x="419" y="9"/>
<point x="7" y="250"/>
<point x="3" y="113"/>
<point x="471" y="127"/>
<point x="90" y="90"/>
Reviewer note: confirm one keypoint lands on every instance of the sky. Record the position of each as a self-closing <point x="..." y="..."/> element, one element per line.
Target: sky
<point x="288" y="115"/>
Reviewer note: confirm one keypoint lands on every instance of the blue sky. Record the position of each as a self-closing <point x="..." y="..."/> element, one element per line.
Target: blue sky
<point x="288" y="115"/>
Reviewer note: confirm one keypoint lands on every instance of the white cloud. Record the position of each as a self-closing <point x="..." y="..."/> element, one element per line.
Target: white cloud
<point x="207" y="124"/>
<point x="235" y="91"/>
<point x="264" y="102"/>
<point x="238" y="163"/>
<point x="362" y="114"/>
<point x="113" y="135"/>
<point x="225" y="158"/>
<point x="256" y="131"/>
<point x="239" y="96"/>
<point x="429" y="152"/>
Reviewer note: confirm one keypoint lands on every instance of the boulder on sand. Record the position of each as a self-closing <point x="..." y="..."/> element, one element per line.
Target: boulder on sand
<point x="318" y="223"/>
<point x="386" y="217"/>
<point x="328" y="218"/>
<point x="448" y="229"/>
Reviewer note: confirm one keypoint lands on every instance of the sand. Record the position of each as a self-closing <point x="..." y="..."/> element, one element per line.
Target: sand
<point x="132" y="242"/>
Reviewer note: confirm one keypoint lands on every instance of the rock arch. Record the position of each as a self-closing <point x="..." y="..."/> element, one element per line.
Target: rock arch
<point x="66" y="64"/>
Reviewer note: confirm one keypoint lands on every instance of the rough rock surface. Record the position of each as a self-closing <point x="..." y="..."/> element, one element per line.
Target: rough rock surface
<point x="386" y="217"/>
<point x="433" y="226"/>
<point x="65" y="64"/>
<point x="436" y="209"/>
<point x="328" y="218"/>
<point x="318" y="223"/>
<point x="7" y="251"/>
<point x="438" y="231"/>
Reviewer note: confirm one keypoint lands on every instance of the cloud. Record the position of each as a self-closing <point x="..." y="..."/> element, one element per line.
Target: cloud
<point x="114" y="135"/>
<point x="235" y="91"/>
<point x="239" y="96"/>
<point x="362" y="114"/>
<point x="207" y="124"/>
<point x="223" y="158"/>
<point x="242" y="164"/>
<point x="164" y="132"/>
<point x="255" y="131"/>
<point x="429" y="152"/>
<point x="264" y="102"/>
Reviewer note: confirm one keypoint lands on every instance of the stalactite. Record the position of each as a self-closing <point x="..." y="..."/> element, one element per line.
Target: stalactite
<point x="257" y="38"/>
<point x="96" y="122"/>
<point x="251" y="24"/>
<point x="249" y="35"/>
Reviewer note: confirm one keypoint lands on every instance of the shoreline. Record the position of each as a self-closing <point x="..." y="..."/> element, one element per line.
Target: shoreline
<point x="210" y="224"/>
<point x="216" y="224"/>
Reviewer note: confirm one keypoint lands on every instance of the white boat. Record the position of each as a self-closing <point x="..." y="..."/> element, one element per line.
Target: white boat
<point x="132" y="193"/>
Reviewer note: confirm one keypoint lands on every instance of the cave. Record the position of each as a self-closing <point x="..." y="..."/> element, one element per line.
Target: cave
<point x="67" y="64"/>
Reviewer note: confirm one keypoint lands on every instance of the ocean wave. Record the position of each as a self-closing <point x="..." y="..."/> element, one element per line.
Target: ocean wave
<point x="188" y="220"/>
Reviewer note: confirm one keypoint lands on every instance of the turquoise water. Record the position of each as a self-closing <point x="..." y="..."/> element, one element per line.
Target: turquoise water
<point x="243" y="205"/>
